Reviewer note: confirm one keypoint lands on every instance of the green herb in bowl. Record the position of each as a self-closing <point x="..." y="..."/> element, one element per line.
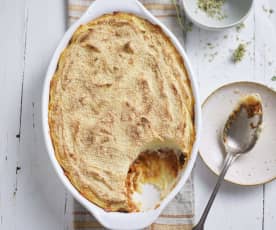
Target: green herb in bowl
<point x="212" y="8"/>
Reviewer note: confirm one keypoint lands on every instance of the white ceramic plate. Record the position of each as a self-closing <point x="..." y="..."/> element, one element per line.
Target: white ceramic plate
<point x="259" y="165"/>
<point x="117" y="220"/>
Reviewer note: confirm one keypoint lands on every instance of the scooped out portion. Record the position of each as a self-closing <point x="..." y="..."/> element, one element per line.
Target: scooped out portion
<point x="152" y="176"/>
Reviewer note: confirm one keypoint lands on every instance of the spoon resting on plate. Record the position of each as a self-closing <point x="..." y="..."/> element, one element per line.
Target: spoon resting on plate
<point x="240" y="134"/>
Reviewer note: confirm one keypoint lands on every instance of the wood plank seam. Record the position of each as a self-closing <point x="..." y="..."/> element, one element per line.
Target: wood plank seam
<point x="23" y="69"/>
<point x="263" y="211"/>
<point x="26" y="22"/>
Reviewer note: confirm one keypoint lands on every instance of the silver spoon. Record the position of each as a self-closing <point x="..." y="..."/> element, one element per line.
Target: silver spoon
<point x="239" y="136"/>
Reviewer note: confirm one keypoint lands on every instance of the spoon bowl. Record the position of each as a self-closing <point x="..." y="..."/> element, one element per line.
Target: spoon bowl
<point x="243" y="126"/>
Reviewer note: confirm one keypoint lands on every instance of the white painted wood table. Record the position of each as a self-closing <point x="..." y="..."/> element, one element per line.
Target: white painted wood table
<point x="31" y="196"/>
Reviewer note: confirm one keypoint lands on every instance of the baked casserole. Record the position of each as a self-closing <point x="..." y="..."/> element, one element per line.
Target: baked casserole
<point x="121" y="111"/>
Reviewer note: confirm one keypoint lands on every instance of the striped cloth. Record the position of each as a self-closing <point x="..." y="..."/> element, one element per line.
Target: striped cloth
<point x="179" y="213"/>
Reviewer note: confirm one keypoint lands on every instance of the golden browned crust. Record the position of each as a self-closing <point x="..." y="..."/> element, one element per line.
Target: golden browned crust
<point x="119" y="85"/>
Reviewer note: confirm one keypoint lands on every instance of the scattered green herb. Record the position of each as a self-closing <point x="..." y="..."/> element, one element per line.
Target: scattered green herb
<point x="266" y="10"/>
<point x="189" y="26"/>
<point x="273" y="78"/>
<point x="213" y="8"/>
<point x="186" y="26"/>
<point x="210" y="45"/>
<point x="239" y="53"/>
<point x="212" y="56"/>
<point x="225" y="36"/>
<point x="240" y="27"/>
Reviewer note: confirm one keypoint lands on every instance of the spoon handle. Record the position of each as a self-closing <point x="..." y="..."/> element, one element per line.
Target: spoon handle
<point x="226" y="164"/>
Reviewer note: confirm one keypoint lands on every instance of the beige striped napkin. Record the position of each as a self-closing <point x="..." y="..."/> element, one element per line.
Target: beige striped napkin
<point x="179" y="213"/>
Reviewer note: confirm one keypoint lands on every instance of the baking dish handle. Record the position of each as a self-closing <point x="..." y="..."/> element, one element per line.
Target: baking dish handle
<point x="100" y="7"/>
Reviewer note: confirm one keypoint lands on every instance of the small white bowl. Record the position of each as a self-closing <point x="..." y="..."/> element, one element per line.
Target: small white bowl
<point x="235" y="11"/>
<point x="118" y="220"/>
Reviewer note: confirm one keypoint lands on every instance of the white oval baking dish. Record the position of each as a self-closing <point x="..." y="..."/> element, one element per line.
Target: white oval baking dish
<point x="117" y="220"/>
